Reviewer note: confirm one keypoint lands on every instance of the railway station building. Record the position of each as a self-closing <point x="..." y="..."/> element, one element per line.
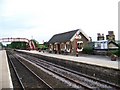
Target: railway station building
<point x="71" y="42"/>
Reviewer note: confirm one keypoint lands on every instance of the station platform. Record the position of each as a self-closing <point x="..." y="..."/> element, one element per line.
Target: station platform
<point x="5" y="77"/>
<point x="88" y="59"/>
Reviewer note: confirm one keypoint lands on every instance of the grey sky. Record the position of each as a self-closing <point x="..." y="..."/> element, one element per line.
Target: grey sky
<point x="41" y="19"/>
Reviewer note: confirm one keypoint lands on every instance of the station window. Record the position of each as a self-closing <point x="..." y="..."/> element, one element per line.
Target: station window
<point x="80" y="45"/>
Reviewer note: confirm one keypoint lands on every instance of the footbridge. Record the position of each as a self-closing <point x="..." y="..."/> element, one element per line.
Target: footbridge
<point x="30" y="42"/>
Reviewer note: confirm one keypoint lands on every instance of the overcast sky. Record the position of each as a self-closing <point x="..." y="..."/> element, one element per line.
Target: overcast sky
<point x="41" y="19"/>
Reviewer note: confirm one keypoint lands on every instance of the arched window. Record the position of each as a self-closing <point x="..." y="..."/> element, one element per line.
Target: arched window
<point x="79" y="45"/>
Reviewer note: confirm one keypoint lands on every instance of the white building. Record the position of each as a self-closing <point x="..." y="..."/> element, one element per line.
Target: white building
<point x="105" y="45"/>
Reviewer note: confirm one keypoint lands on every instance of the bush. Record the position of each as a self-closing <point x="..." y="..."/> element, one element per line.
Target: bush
<point x="88" y="50"/>
<point x="116" y="52"/>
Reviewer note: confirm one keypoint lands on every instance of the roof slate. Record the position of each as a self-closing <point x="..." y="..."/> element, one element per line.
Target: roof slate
<point x="62" y="37"/>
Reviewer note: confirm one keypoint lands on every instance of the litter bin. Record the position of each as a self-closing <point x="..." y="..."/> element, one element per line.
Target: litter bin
<point x="113" y="57"/>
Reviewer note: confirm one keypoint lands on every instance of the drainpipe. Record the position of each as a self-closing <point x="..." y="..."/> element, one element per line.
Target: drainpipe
<point x="76" y="39"/>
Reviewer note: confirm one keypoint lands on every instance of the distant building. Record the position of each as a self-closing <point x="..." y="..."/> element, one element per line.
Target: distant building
<point x="105" y="45"/>
<point x="101" y="46"/>
<point x="70" y="42"/>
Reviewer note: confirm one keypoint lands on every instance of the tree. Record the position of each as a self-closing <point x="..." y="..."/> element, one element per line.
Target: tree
<point x="88" y="49"/>
<point x="17" y="45"/>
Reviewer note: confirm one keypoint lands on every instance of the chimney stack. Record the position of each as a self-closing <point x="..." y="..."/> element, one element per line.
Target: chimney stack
<point x="110" y="36"/>
<point x="100" y="36"/>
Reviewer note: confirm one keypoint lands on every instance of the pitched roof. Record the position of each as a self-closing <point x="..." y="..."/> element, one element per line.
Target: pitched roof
<point x="108" y="42"/>
<point x="113" y="43"/>
<point x="62" y="37"/>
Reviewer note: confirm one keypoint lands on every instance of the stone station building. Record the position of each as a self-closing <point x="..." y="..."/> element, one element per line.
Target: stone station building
<point x="71" y="42"/>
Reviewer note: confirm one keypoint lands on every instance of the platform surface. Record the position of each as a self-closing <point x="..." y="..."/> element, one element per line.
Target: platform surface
<point x="89" y="59"/>
<point x="5" y="78"/>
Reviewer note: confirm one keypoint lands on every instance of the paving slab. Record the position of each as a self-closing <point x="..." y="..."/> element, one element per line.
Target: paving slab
<point x="5" y="77"/>
<point x="94" y="60"/>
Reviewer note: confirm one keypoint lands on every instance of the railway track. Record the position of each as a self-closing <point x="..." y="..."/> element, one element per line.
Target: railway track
<point x="27" y="78"/>
<point x="79" y="79"/>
